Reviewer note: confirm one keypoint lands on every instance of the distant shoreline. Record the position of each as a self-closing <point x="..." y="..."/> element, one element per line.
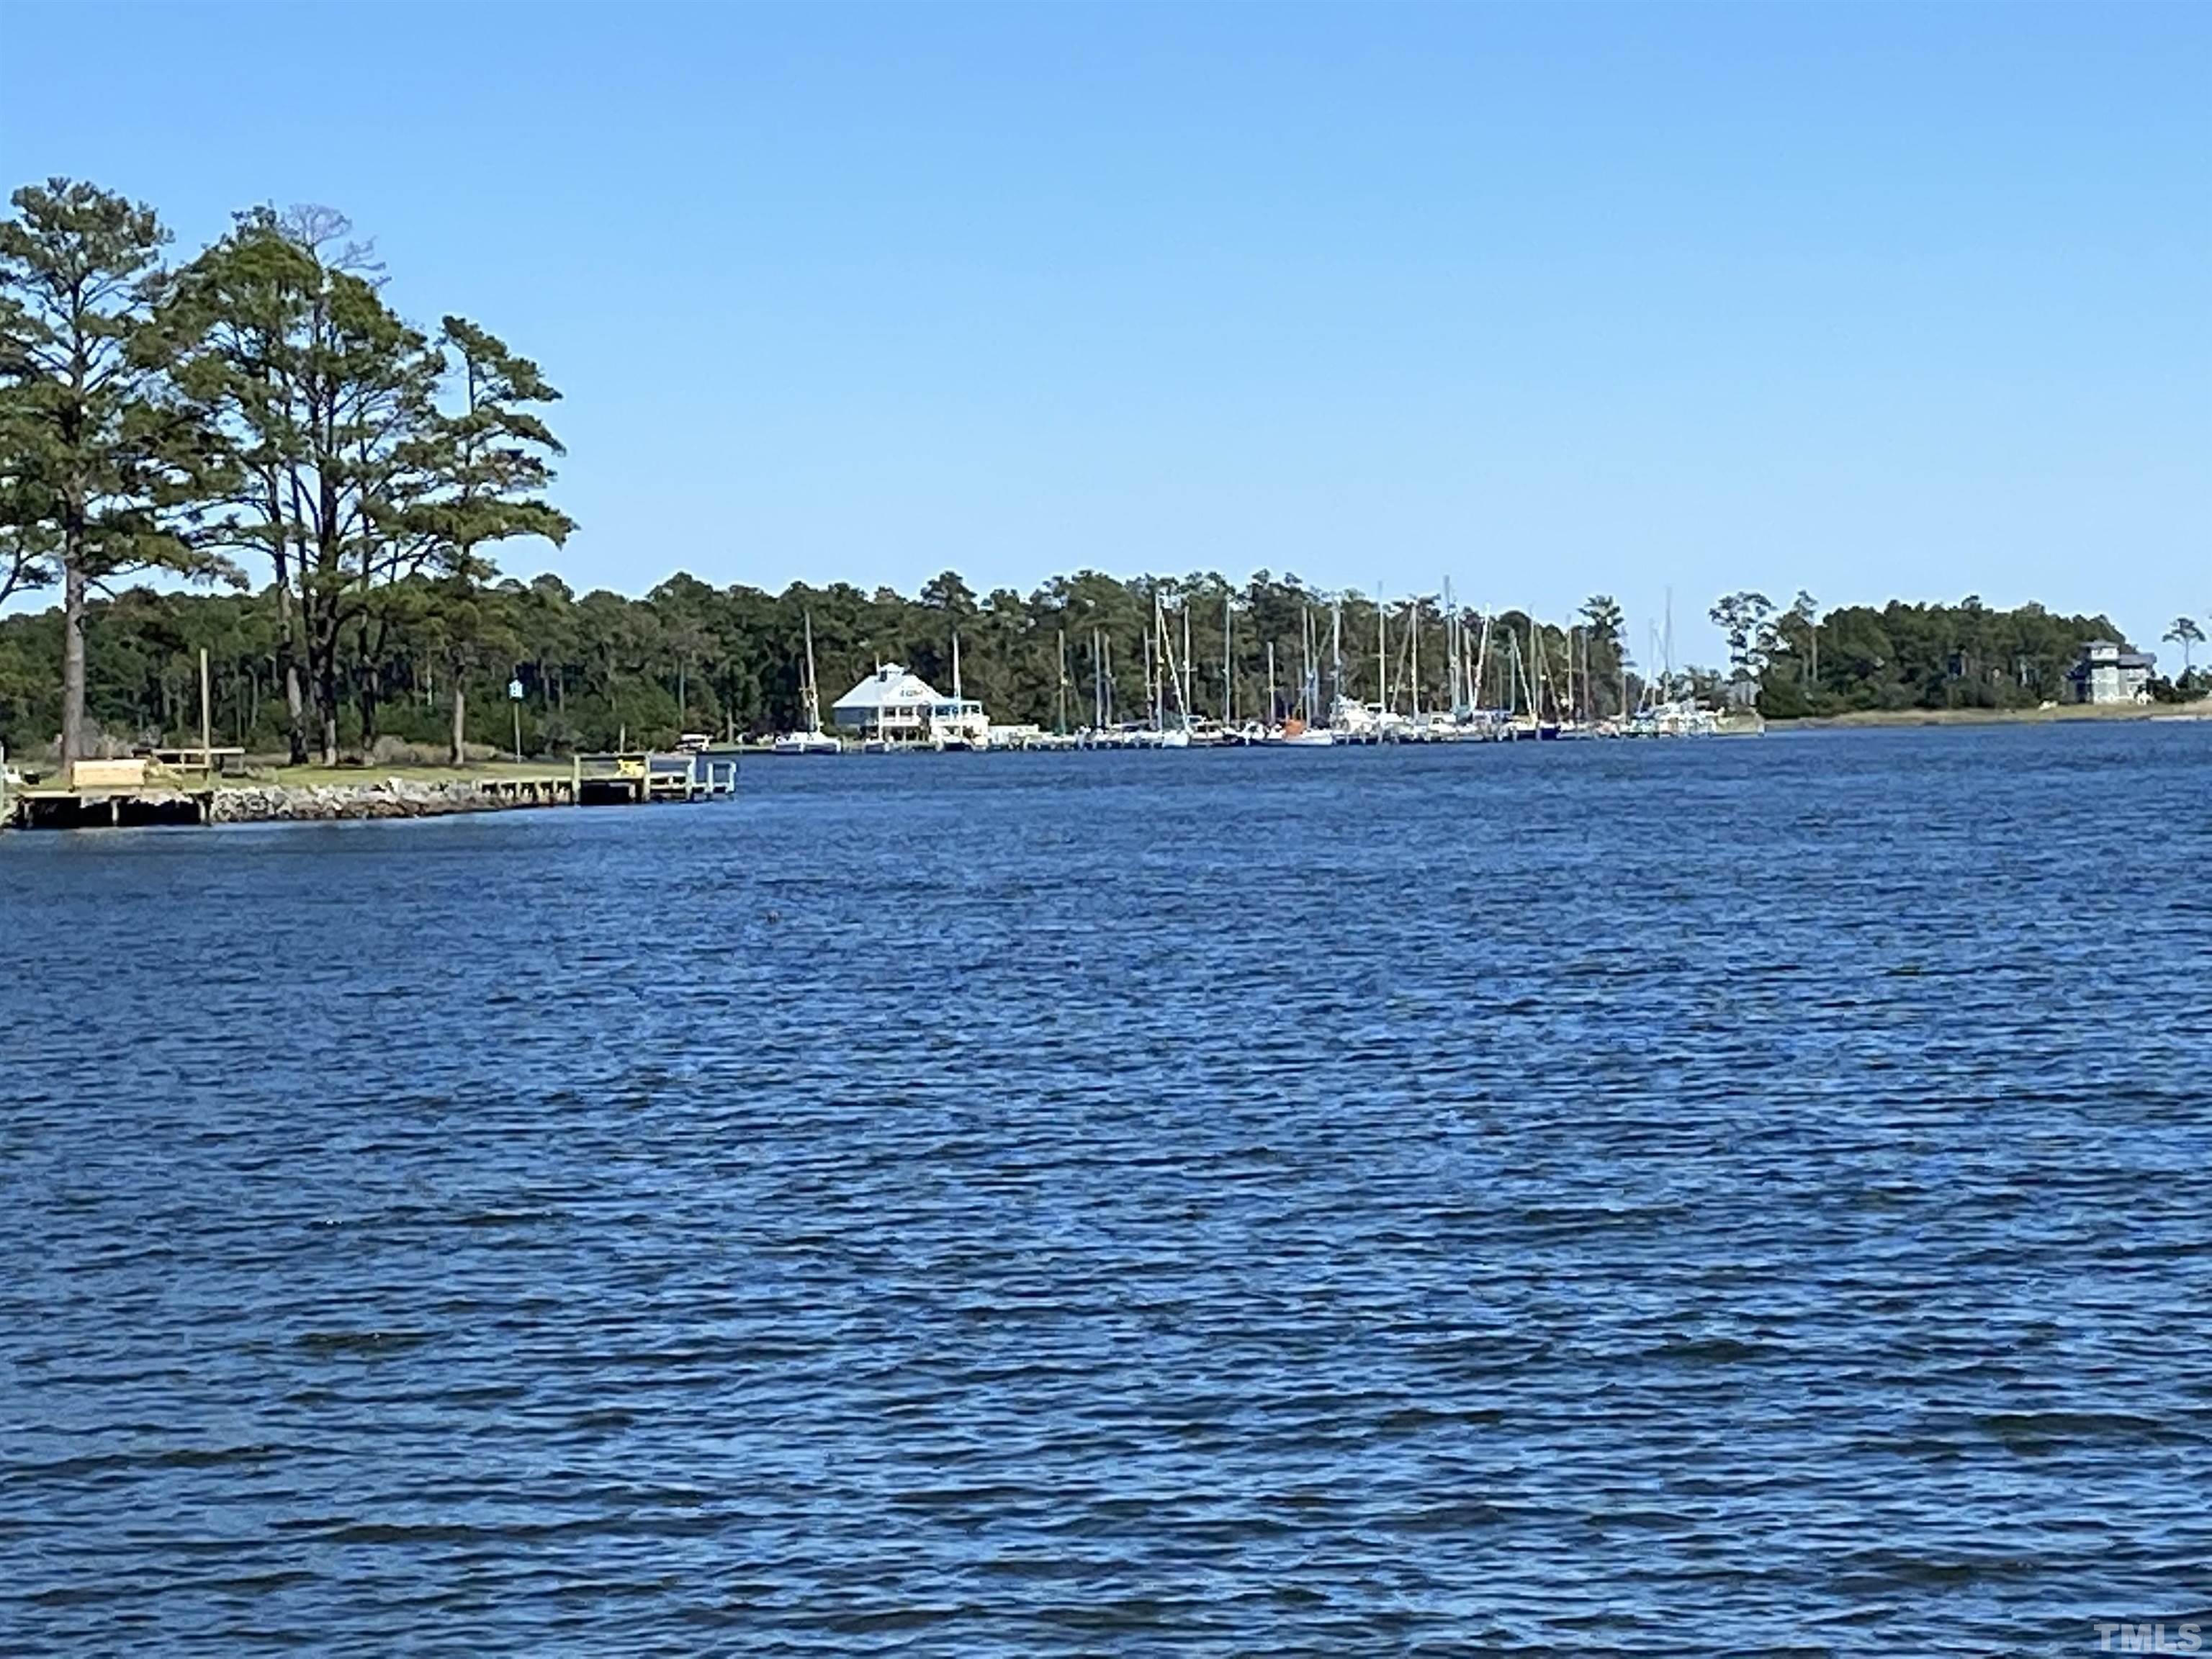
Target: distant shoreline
<point x="2064" y="713"/>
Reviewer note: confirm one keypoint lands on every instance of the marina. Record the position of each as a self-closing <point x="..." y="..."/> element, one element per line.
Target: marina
<point x="1492" y="688"/>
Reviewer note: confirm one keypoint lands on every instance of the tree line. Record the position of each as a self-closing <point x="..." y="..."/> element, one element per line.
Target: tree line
<point x="1796" y="660"/>
<point x="257" y="419"/>
<point x="599" y="670"/>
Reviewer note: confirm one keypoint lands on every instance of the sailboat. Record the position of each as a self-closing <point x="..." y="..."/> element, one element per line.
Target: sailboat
<point x="950" y="728"/>
<point x="1177" y="736"/>
<point x="1349" y="722"/>
<point x="813" y="740"/>
<point x="1301" y="730"/>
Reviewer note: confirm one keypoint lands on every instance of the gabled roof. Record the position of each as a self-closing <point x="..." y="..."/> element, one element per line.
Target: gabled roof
<point x="892" y="686"/>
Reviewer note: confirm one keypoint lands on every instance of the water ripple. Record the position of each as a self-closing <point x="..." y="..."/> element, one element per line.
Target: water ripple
<point x="1678" y="1198"/>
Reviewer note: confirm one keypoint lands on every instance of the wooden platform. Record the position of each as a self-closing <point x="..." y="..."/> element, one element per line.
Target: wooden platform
<point x="140" y="790"/>
<point x="149" y="789"/>
<point x="649" y="775"/>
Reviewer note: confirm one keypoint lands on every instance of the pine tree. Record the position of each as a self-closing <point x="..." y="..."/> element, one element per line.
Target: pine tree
<point x="322" y="394"/>
<point x="2188" y="635"/>
<point x="106" y="470"/>
<point x="480" y="473"/>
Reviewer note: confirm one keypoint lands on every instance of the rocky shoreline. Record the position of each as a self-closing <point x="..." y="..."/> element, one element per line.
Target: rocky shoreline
<point x="388" y="797"/>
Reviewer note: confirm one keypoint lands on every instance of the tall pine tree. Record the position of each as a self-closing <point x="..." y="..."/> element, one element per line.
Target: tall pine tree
<point x="322" y="395"/>
<point x="105" y="469"/>
<point x="481" y="471"/>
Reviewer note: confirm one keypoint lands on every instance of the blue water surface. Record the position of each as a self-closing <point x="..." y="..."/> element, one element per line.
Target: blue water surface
<point x="1678" y="1198"/>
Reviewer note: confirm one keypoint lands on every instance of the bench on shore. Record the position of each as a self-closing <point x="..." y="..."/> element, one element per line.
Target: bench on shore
<point x="109" y="774"/>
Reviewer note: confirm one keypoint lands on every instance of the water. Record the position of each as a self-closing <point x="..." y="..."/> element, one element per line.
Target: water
<point x="1686" y="1198"/>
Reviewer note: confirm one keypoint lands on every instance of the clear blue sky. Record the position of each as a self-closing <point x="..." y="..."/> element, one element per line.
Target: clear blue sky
<point x="1876" y="301"/>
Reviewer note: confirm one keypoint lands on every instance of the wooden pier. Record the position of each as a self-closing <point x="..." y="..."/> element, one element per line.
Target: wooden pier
<point x="116" y="792"/>
<point x="201" y="788"/>
<point x="645" y="776"/>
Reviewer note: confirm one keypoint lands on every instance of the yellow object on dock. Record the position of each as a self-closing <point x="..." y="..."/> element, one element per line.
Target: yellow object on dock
<point x="651" y="775"/>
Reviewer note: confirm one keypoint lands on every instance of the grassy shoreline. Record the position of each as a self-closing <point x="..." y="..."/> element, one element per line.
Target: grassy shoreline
<point x="2063" y="713"/>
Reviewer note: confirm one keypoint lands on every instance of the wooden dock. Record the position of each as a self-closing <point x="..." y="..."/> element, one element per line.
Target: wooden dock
<point x="162" y="788"/>
<point x="117" y="791"/>
<point x="646" y="776"/>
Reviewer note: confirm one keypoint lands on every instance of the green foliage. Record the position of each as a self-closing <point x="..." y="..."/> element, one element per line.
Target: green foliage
<point x="691" y="657"/>
<point x="324" y="400"/>
<point x="1747" y="621"/>
<point x="103" y="469"/>
<point x="1920" y="656"/>
<point x="97" y="454"/>
<point x="2188" y="635"/>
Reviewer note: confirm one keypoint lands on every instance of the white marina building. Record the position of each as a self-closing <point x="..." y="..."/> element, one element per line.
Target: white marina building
<point x="896" y="707"/>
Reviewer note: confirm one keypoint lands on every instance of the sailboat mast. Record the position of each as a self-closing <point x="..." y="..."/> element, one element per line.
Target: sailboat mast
<point x="1184" y="685"/>
<point x="1228" y="674"/>
<point x="1151" y="654"/>
<point x="1308" y="692"/>
<point x="1381" y="653"/>
<point x="1174" y="674"/>
<point x="1336" y="648"/>
<point x="1305" y="654"/>
<point x="1270" y="718"/>
<point x="1059" y="720"/>
<point x="813" y="692"/>
<point x="1480" y="688"/>
<point x="1414" y="690"/>
<point x="1452" y="644"/>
